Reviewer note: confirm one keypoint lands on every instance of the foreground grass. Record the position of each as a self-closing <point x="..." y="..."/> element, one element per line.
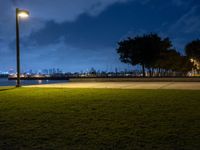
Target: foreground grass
<point x="51" y="119"/>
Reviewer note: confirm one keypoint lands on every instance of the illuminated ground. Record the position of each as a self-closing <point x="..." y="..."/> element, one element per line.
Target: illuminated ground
<point x="98" y="119"/>
<point x="126" y="85"/>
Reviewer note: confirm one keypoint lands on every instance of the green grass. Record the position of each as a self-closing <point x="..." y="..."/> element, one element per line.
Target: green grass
<point x="89" y="119"/>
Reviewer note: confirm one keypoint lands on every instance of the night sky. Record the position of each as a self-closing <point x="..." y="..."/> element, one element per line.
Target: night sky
<point x="75" y="35"/>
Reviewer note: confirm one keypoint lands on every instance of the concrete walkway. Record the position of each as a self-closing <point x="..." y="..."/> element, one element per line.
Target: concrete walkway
<point x="125" y="85"/>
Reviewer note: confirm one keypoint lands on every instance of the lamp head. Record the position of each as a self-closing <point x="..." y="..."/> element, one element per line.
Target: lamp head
<point x="23" y="13"/>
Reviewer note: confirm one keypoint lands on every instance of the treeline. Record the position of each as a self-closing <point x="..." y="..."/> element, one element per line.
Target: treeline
<point x="158" y="57"/>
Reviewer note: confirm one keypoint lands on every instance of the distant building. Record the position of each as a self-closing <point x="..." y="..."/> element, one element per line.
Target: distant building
<point x="50" y="71"/>
<point x="45" y="71"/>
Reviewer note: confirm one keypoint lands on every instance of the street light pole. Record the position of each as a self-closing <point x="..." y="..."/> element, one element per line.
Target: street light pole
<point x="23" y="14"/>
<point x="17" y="48"/>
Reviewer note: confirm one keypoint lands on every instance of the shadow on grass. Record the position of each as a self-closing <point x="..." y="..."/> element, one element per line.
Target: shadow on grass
<point x="7" y="89"/>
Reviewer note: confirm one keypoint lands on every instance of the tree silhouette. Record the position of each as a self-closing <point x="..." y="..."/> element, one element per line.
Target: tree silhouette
<point x="192" y="50"/>
<point x="143" y="50"/>
<point x="185" y="65"/>
<point x="168" y="61"/>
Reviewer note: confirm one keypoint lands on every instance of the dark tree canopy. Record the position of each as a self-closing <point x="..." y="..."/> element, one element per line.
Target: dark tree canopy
<point x="185" y="65"/>
<point x="192" y="50"/>
<point x="143" y="50"/>
<point x="168" y="60"/>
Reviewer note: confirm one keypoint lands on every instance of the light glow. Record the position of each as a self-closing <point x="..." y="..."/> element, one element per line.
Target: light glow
<point x="23" y="14"/>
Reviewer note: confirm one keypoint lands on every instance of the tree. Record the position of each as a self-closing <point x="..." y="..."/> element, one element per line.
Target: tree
<point x="185" y="65"/>
<point x="168" y="61"/>
<point x="93" y="71"/>
<point x="142" y="50"/>
<point x="192" y="50"/>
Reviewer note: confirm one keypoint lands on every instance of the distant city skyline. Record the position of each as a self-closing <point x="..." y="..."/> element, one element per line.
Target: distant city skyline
<point x="58" y="70"/>
<point x="78" y="35"/>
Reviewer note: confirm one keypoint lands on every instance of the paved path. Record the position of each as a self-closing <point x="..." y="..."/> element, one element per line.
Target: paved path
<point x="125" y="85"/>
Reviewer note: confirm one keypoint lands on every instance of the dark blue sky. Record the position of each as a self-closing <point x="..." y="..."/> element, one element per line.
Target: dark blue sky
<point x="81" y="34"/>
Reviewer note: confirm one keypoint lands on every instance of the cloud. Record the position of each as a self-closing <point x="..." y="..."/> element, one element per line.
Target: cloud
<point x="183" y="3"/>
<point x="48" y="24"/>
<point x="7" y="22"/>
<point x="189" y="23"/>
<point x="184" y="29"/>
<point x="42" y="11"/>
<point x="68" y="10"/>
<point x="69" y="58"/>
<point x="179" y="2"/>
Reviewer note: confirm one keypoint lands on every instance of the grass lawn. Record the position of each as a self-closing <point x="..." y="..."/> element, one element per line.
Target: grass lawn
<point x="90" y="119"/>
